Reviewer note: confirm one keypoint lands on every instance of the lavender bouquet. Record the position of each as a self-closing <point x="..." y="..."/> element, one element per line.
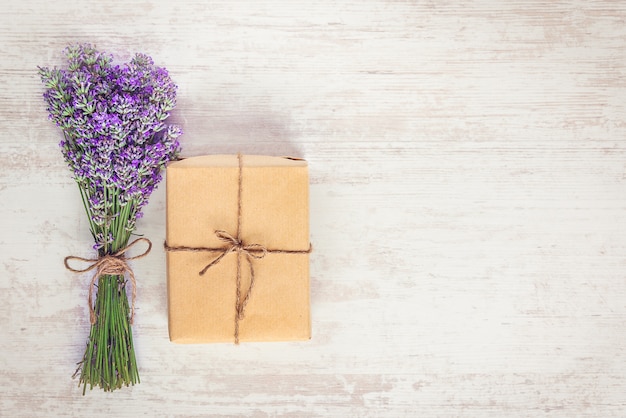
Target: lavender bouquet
<point x="116" y="143"/>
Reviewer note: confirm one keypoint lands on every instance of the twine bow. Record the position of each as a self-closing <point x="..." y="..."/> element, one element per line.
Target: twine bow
<point x="236" y="244"/>
<point x="250" y="251"/>
<point x="113" y="264"/>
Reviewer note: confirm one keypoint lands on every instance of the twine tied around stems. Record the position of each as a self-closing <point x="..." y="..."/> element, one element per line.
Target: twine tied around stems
<point x="112" y="264"/>
<point x="237" y="244"/>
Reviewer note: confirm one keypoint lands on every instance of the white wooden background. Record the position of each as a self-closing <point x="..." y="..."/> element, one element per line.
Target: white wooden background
<point x="468" y="206"/>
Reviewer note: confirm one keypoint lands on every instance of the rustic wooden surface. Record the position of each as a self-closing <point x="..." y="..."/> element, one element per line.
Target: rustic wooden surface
<point x="468" y="170"/>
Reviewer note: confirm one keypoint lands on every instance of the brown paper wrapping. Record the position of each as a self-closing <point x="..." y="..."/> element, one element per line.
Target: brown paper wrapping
<point x="202" y="197"/>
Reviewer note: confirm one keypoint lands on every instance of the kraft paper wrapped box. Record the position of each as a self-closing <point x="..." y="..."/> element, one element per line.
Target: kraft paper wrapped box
<point x="238" y="249"/>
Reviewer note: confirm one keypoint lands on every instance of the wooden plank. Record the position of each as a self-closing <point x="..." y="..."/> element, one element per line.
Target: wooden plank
<point x="467" y="206"/>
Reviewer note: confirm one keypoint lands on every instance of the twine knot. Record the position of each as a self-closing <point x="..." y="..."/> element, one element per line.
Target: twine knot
<point x="109" y="264"/>
<point x="112" y="264"/>
<point x="235" y="245"/>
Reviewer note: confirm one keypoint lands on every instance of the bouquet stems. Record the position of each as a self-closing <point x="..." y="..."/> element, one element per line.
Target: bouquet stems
<point x="109" y="360"/>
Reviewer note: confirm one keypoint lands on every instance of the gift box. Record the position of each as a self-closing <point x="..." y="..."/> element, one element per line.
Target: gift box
<point x="238" y="249"/>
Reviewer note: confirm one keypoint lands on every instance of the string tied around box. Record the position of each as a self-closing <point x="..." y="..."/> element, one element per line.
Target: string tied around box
<point x="246" y="251"/>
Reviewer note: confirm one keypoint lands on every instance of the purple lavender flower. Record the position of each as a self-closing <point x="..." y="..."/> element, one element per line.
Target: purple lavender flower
<point x="116" y="141"/>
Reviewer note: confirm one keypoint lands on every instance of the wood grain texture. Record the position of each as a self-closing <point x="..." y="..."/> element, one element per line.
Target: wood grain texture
<point x="468" y="172"/>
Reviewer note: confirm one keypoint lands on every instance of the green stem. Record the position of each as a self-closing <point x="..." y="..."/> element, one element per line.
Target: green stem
<point x="84" y="197"/>
<point x="109" y="360"/>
